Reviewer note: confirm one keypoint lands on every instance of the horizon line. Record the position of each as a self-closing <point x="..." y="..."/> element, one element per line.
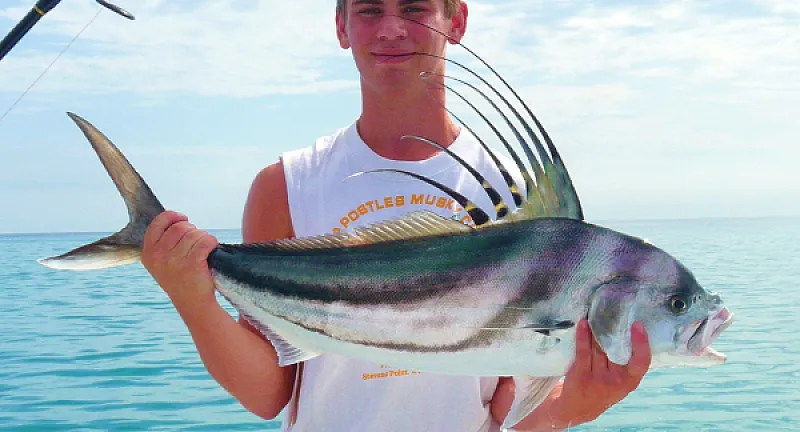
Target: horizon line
<point x="596" y="222"/>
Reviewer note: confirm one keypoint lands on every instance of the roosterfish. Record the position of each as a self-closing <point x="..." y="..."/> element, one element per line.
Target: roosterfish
<point x="423" y="292"/>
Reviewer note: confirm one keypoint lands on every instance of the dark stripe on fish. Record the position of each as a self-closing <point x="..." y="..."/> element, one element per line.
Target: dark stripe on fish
<point x="457" y="268"/>
<point x="481" y="338"/>
<point x="549" y="248"/>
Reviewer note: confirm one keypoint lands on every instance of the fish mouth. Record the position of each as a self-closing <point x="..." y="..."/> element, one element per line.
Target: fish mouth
<point x="707" y="332"/>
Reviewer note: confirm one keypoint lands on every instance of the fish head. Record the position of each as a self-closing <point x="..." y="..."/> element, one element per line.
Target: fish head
<point x="682" y="319"/>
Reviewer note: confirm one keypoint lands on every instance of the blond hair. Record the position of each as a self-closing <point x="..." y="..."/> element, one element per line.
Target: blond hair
<point x="450" y="7"/>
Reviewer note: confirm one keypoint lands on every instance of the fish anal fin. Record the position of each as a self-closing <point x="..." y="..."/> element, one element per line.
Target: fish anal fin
<point x="288" y="354"/>
<point x="529" y="393"/>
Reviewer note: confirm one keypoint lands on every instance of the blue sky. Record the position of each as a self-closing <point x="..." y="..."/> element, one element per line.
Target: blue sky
<point x="661" y="109"/>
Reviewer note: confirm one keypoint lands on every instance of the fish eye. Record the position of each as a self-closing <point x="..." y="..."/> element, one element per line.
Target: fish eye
<point x="678" y="304"/>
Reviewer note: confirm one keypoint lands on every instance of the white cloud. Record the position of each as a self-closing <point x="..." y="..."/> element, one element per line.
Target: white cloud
<point x="781" y="6"/>
<point x="695" y="43"/>
<point x="207" y="48"/>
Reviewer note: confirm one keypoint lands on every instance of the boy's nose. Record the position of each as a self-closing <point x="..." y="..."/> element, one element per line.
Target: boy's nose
<point x="392" y="28"/>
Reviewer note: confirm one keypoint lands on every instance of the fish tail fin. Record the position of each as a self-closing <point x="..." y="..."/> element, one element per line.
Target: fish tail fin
<point x="124" y="246"/>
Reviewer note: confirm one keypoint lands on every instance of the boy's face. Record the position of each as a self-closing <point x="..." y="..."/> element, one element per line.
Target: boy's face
<point x="383" y="36"/>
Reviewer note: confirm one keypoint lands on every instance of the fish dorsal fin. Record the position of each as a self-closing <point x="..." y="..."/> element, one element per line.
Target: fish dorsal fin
<point x="412" y="225"/>
<point x="553" y="196"/>
<point x="549" y="188"/>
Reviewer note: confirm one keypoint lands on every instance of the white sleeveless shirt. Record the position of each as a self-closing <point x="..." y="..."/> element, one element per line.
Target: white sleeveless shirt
<point x="340" y="394"/>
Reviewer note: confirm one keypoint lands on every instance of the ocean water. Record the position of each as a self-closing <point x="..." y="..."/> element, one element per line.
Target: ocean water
<point x="104" y="350"/>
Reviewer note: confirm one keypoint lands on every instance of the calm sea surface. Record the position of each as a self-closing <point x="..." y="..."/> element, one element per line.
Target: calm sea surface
<point x="105" y="350"/>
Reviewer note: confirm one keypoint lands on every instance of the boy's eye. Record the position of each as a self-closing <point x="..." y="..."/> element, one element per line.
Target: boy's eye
<point x="369" y="11"/>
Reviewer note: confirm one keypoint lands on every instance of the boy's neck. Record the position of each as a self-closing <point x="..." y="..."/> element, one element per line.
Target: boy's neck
<point x="385" y="119"/>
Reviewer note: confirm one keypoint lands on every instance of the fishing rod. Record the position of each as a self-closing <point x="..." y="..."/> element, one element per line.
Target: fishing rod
<point x="34" y="15"/>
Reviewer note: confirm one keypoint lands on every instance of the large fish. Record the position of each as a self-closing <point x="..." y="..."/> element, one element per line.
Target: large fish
<point x="427" y="293"/>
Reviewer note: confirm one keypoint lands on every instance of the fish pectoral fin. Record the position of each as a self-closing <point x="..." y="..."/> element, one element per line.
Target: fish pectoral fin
<point x="550" y="328"/>
<point x="611" y="315"/>
<point x="288" y="354"/>
<point x="547" y="329"/>
<point x="529" y="393"/>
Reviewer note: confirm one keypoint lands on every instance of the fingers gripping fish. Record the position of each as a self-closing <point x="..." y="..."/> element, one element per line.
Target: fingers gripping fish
<point x="434" y="295"/>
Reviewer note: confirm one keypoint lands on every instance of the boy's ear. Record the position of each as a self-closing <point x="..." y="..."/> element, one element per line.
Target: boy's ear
<point x="341" y="31"/>
<point x="458" y="23"/>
